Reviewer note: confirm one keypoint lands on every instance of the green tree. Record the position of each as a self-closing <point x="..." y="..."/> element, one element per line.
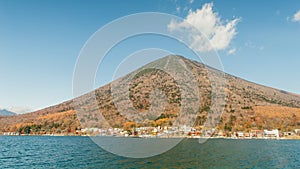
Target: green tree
<point x="27" y="130"/>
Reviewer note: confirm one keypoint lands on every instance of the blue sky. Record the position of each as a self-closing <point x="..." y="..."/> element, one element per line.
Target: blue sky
<point x="41" y="40"/>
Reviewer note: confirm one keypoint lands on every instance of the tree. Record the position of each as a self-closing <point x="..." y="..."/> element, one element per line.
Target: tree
<point x="228" y="127"/>
<point x="27" y="130"/>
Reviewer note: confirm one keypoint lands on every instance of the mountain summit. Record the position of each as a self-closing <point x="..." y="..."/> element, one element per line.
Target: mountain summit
<point x="169" y="91"/>
<point x="4" y="112"/>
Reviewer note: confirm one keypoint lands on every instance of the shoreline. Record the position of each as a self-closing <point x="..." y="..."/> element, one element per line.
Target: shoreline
<point x="160" y="137"/>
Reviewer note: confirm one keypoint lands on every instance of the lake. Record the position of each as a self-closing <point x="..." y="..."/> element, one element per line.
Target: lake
<point x="82" y="152"/>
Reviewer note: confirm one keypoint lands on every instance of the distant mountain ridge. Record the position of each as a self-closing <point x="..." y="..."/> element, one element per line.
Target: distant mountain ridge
<point x="4" y="112"/>
<point x="247" y="105"/>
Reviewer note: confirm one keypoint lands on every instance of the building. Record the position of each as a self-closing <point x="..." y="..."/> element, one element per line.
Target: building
<point x="256" y="133"/>
<point x="240" y="134"/>
<point x="271" y="133"/>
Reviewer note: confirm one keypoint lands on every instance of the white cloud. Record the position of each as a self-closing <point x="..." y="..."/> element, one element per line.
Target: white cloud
<point x="252" y="45"/>
<point x="231" y="51"/>
<point x="19" y="109"/>
<point x="261" y="48"/>
<point x="191" y="1"/>
<point x="185" y="8"/>
<point x="209" y="23"/>
<point x="177" y="9"/>
<point x="296" y="17"/>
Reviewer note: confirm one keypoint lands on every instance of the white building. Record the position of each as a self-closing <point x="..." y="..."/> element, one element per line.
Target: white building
<point x="240" y="134"/>
<point x="271" y="133"/>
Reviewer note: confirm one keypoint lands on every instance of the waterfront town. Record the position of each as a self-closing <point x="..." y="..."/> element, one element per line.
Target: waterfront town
<point x="176" y="132"/>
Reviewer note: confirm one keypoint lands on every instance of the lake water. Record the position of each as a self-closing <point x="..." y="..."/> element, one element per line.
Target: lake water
<point x="81" y="152"/>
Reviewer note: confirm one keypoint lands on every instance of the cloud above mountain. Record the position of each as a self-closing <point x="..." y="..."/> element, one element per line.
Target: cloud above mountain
<point x="19" y="109"/>
<point x="215" y="34"/>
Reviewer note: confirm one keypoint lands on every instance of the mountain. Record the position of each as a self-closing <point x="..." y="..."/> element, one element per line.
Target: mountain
<point x="4" y="112"/>
<point x="164" y="93"/>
